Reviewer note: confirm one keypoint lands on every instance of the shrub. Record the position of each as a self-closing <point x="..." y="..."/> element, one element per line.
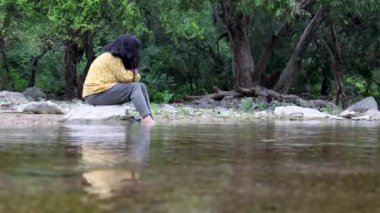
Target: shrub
<point x="163" y="97"/>
<point x="246" y="104"/>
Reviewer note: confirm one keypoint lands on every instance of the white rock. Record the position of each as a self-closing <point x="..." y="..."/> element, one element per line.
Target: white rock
<point x="373" y="114"/>
<point x="306" y="112"/>
<point x="223" y="112"/>
<point x="261" y="114"/>
<point x="88" y="112"/>
<point x="347" y="114"/>
<point x="39" y="108"/>
<point x="334" y="117"/>
<point x="368" y="115"/>
<point x="364" y="117"/>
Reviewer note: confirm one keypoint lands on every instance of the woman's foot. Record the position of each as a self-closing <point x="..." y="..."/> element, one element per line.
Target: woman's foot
<point x="148" y="120"/>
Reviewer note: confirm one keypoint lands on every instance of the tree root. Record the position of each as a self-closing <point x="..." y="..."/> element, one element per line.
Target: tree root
<point x="264" y="94"/>
<point x="218" y="95"/>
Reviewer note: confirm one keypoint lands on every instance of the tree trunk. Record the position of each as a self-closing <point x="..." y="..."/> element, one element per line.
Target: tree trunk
<point x="262" y="63"/>
<point x="90" y="57"/>
<point x="217" y="17"/>
<point x="325" y="83"/>
<point x="267" y="54"/>
<point x="336" y="66"/>
<point x="7" y="77"/>
<point x="239" y="30"/>
<point x="294" y="66"/>
<point x="340" y="94"/>
<point x="71" y="61"/>
<point x="33" y="74"/>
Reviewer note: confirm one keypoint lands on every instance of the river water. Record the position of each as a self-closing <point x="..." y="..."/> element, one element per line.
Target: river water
<point x="277" y="166"/>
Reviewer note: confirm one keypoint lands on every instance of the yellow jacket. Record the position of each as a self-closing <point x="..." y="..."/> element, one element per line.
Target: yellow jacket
<point x="105" y="72"/>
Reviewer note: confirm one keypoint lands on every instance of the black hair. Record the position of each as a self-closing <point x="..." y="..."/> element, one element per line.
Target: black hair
<point x="126" y="47"/>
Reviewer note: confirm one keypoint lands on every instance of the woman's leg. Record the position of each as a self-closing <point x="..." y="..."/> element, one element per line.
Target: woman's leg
<point x="146" y="95"/>
<point x="121" y="93"/>
<point x="147" y="119"/>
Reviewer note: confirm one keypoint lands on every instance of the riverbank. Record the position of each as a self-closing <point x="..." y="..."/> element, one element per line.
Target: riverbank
<point x="16" y="109"/>
<point x="171" y="115"/>
<point x="174" y="115"/>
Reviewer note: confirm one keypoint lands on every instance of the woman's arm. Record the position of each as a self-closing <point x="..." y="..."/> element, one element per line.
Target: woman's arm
<point x="124" y="75"/>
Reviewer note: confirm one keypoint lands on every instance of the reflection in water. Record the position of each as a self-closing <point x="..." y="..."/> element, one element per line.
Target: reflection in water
<point x="112" y="157"/>
<point x="242" y="167"/>
<point x="106" y="182"/>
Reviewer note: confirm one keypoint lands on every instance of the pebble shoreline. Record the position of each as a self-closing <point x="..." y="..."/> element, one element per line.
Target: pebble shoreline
<point x="17" y="110"/>
<point x="165" y="114"/>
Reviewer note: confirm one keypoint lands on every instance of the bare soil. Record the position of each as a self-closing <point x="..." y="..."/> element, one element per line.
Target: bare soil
<point x="22" y="119"/>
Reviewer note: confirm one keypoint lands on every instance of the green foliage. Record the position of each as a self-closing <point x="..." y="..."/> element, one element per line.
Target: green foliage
<point x="288" y="9"/>
<point x="165" y="96"/>
<point x="132" y="18"/>
<point x="190" y="22"/>
<point x="357" y="82"/>
<point x="357" y="88"/>
<point x="172" y="69"/>
<point x="246" y="104"/>
<point x="183" y="111"/>
<point x="19" y="83"/>
<point x="376" y="76"/>
<point x="331" y="109"/>
<point x="155" y="108"/>
<point x="357" y="6"/>
<point x="71" y="19"/>
<point x="260" y="106"/>
<point x="185" y="25"/>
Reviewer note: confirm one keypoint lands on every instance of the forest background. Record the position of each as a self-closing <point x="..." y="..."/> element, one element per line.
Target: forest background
<point x="325" y="49"/>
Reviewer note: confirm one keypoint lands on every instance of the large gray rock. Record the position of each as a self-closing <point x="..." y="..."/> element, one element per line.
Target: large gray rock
<point x="205" y="102"/>
<point x="39" y="108"/>
<point x="12" y="98"/>
<point x="34" y="93"/>
<point x="364" y="105"/>
<point x="358" y="109"/>
<point x="88" y="112"/>
<point x="228" y="102"/>
<point x="296" y="112"/>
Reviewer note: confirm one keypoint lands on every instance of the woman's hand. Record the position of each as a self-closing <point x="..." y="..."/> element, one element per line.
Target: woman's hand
<point x="135" y="72"/>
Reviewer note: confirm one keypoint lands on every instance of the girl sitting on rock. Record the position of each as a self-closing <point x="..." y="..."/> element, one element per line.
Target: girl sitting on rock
<point x="113" y="78"/>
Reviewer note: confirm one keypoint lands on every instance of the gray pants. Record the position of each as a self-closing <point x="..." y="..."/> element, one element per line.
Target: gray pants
<point x="120" y="93"/>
